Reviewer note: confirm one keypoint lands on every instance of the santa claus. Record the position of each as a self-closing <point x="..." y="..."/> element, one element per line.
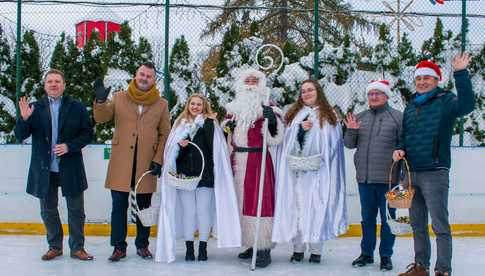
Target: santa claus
<point x="244" y="126"/>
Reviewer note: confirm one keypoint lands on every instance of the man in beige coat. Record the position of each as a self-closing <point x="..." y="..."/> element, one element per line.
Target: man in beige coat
<point x="142" y="125"/>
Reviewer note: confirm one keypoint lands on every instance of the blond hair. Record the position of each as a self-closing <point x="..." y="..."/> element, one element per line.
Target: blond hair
<point x="206" y="108"/>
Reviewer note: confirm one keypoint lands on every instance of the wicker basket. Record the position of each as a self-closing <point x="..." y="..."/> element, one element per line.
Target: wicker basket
<point x="147" y="216"/>
<point x="400" y="196"/>
<point x="187" y="184"/>
<point x="304" y="163"/>
<point x="397" y="228"/>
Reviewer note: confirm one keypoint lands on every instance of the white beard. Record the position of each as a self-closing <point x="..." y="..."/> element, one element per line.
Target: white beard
<point x="247" y="105"/>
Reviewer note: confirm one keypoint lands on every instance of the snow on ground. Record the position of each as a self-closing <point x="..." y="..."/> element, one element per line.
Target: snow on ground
<point x="21" y="256"/>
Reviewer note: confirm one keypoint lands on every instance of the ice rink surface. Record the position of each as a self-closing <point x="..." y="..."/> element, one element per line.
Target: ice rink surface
<point x="21" y="256"/>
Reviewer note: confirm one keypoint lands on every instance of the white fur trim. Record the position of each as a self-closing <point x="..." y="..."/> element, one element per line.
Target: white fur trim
<point x="248" y="225"/>
<point x="240" y="159"/>
<point x="379" y="86"/>
<point x="252" y="72"/>
<point x="277" y="110"/>
<point x="424" y="71"/>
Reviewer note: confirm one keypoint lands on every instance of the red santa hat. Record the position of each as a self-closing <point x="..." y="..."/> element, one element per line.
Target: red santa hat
<point x="381" y="85"/>
<point x="428" y="68"/>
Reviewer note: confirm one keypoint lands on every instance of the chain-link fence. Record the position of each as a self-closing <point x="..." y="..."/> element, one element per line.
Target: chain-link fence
<point x="204" y="46"/>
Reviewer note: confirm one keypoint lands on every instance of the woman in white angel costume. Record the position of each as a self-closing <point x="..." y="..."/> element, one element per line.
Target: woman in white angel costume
<point x="310" y="196"/>
<point x="213" y="203"/>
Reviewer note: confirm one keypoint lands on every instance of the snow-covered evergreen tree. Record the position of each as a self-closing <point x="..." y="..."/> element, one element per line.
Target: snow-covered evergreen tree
<point x="384" y="51"/>
<point x="7" y="91"/>
<point x="229" y="57"/>
<point x="475" y="125"/>
<point x="402" y="67"/>
<point x="477" y="65"/>
<point x="181" y="70"/>
<point x="347" y="61"/>
<point x="30" y="85"/>
<point x="58" y="58"/>
<point x="122" y="52"/>
<point x="436" y="48"/>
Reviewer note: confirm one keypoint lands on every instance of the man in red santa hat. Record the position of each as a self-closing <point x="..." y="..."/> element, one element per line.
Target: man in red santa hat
<point x="244" y="125"/>
<point x="427" y="130"/>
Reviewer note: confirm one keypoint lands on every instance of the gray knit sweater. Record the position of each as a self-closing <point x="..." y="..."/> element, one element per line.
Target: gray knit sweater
<point x="375" y="142"/>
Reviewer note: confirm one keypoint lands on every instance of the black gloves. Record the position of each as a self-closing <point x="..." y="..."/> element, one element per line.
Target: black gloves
<point x="101" y="93"/>
<point x="269" y="114"/>
<point x="300" y="136"/>
<point x="156" y="169"/>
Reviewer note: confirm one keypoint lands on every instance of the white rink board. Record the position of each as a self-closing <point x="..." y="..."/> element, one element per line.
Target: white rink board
<point x="466" y="201"/>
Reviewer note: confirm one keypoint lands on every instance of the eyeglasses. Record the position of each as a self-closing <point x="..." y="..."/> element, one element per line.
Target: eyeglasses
<point x="375" y="94"/>
<point x="308" y="90"/>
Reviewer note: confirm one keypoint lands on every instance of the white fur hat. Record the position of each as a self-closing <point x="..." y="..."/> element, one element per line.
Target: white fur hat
<point x="252" y="72"/>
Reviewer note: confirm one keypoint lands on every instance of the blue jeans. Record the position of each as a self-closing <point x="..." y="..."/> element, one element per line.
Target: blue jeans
<point x="372" y="199"/>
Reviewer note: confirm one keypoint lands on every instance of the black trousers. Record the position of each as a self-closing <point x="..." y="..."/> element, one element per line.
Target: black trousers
<point x="119" y="216"/>
<point x="75" y="217"/>
<point x="119" y="220"/>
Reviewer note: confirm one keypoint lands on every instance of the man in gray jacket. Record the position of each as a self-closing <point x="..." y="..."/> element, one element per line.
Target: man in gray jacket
<point x="374" y="133"/>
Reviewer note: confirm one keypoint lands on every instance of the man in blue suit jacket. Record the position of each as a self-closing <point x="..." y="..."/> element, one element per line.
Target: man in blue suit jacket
<point x="60" y="128"/>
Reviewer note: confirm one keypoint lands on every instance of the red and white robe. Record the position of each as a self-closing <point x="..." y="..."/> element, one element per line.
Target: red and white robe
<point x="247" y="169"/>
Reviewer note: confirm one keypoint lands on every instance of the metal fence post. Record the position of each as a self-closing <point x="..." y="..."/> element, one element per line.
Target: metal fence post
<point x="315" y="39"/>
<point x="464" y="30"/>
<point x="166" y="75"/>
<point x="18" y="60"/>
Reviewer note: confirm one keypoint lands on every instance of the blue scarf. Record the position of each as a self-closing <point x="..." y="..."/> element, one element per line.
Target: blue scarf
<point x="419" y="99"/>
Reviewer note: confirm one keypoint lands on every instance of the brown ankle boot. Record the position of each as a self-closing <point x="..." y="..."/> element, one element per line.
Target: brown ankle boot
<point x="415" y="269"/>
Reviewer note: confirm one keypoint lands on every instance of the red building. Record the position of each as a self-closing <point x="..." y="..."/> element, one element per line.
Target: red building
<point x="104" y="25"/>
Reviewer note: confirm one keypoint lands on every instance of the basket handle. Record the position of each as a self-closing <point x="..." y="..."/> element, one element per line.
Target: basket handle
<point x="388" y="214"/>
<point x="408" y="172"/>
<point x="136" y="188"/>
<point x="202" y="155"/>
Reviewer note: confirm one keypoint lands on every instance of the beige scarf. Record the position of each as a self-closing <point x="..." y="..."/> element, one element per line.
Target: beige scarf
<point x="142" y="97"/>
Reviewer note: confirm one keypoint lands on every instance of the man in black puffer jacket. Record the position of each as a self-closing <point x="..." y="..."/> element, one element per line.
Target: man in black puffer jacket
<point x="425" y="141"/>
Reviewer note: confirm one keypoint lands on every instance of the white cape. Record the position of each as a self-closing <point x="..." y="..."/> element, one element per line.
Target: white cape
<point x="319" y="213"/>
<point x="226" y="225"/>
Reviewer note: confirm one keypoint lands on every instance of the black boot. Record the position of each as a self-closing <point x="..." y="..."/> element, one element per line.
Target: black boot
<point x="189" y="254"/>
<point x="202" y="251"/>
<point x="248" y="254"/>
<point x="297" y="257"/>
<point x="363" y="260"/>
<point x="263" y="258"/>
<point x="386" y="263"/>
<point x="314" y="258"/>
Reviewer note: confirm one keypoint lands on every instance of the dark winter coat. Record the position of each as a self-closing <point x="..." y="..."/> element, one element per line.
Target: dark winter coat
<point x="75" y="130"/>
<point x="428" y="127"/>
<point x="189" y="161"/>
<point x="375" y="142"/>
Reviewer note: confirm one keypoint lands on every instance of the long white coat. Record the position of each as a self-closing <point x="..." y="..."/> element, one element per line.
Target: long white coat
<point x="226" y="225"/>
<point x="312" y="202"/>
